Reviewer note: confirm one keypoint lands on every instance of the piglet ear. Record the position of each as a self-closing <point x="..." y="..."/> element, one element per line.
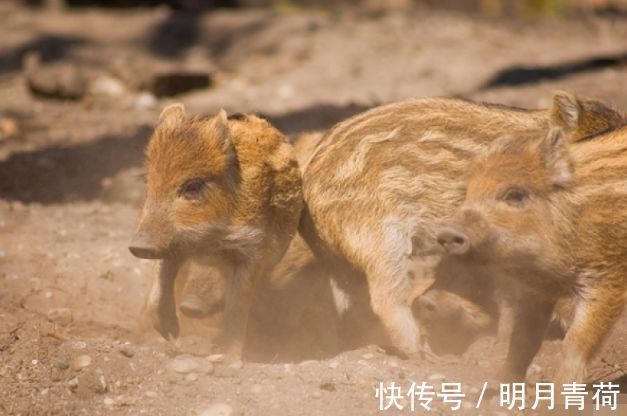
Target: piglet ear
<point x="219" y="126"/>
<point x="172" y="115"/>
<point x="566" y="111"/>
<point x="556" y="157"/>
<point x="506" y="145"/>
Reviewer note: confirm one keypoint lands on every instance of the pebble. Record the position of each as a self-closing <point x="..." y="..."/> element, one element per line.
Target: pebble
<point x="215" y="358"/>
<point x="367" y="356"/>
<point x="61" y="316"/>
<point x="127" y="351"/>
<point x="257" y="388"/>
<point x="217" y="409"/>
<point x="152" y="394"/>
<point x="79" y="345"/>
<point x="436" y="378"/>
<point x="237" y="365"/>
<point x="8" y="128"/>
<point x="108" y="86"/>
<point x="73" y="383"/>
<point x="535" y="369"/>
<point x="81" y="362"/>
<point x="145" y="100"/>
<point x="191" y="377"/>
<point x="108" y="401"/>
<point x="334" y="364"/>
<point x="184" y="364"/>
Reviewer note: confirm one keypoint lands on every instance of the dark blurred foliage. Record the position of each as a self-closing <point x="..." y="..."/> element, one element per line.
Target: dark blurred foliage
<point x="175" y="4"/>
<point x="494" y="8"/>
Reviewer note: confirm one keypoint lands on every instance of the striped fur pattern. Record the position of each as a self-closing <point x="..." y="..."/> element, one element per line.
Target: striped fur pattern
<point x="563" y="235"/>
<point x="379" y="184"/>
<point x="218" y="187"/>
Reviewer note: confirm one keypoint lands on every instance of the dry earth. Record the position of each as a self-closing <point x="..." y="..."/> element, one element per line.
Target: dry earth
<point x="70" y="189"/>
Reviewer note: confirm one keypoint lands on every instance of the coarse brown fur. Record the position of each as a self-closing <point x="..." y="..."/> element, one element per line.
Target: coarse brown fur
<point x="201" y="284"/>
<point x="379" y="184"/>
<point x="546" y="219"/>
<point x="222" y="187"/>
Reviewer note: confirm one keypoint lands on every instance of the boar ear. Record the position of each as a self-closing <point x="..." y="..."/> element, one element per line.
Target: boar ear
<point x="172" y="114"/>
<point x="555" y="155"/>
<point x="219" y="125"/>
<point x="565" y="111"/>
<point x="506" y="144"/>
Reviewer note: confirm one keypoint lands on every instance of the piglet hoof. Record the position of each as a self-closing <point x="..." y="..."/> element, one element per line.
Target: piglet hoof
<point x="168" y="327"/>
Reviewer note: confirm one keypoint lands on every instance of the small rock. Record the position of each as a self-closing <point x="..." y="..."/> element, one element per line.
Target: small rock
<point x="534" y="369"/>
<point x="145" y="101"/>
<point x="108" y="401"/>
<point x="73" y="383"/>
<point x="191" y="377"/>
<point x="79" y="345"/>
<point x="328" y="386"/>
<point x="62" y="365"/>
<point x="184" y="364"/>
<point x="436" y="378"/>
<point x="127" y="351"/>
<point x="108" y="86"/>
<point x="393" y="362"/>
<point x="334" y="364"/>
<point x="217" y="409"/>
<point x="61" y="80"/>
<point x="152" y="394"/>
<point x="256" y="388"/>
<point x="237" y="365"/>
<point x="81" y="362"/>
<point x="215" y="358"/>
<point x="316" y="394"/>
<point x="101" y="386"/>
<point x="367" y="356"/>
<point x="8" y="128"/>
<point x="61" y="316"/>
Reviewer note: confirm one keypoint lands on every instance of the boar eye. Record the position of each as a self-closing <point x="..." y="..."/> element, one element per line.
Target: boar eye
<point x="514" y="196"/>
<point x="192" y="188"/>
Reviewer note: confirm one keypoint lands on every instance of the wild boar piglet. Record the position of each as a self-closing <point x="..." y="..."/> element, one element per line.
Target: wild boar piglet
<point x="218" y="187"/>
<point x="379" y="185"/>
<point x="546" y="219"/>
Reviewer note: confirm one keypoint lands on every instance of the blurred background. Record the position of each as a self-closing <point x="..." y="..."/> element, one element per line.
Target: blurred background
<point x="76" y="73"/>
<point x="82" y="83"/>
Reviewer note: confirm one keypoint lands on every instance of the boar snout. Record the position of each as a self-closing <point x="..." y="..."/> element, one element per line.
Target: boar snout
<point x="454" y="241"/>
<point x="144" y="247"/>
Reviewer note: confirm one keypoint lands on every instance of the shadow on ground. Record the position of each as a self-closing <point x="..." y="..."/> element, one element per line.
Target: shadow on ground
<point x="521" y="75"/>
<point x="61" y="174"/>
<point x="316" y="117"/>
<point x="50" y="48"/>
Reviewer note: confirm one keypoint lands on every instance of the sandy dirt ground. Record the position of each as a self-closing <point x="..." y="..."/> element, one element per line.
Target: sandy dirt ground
<point x="71" y="189"/>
